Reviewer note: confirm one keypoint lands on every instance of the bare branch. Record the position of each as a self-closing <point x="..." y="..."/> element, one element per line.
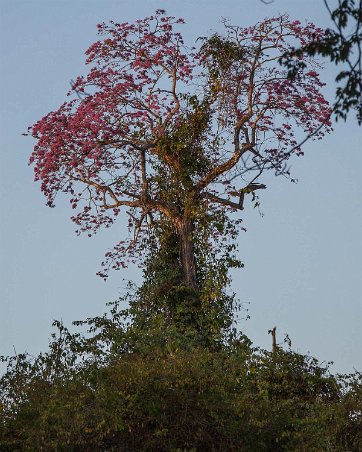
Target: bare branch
<point x="225" y="202"/>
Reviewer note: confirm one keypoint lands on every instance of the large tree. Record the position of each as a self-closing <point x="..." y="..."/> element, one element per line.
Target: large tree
<point x="176" y="136"/>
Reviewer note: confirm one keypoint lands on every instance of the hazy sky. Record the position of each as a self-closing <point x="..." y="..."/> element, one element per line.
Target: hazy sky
<point x="303" y="258"/>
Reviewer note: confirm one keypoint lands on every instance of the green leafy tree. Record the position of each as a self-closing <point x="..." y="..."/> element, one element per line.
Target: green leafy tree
<point x="341" y="44"/>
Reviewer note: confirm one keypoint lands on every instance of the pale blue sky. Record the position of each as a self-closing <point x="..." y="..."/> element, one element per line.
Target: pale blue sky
<point x="303" y="259"/>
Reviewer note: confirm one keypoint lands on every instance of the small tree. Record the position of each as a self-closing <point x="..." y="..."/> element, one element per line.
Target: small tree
<point x="178" y="136"/>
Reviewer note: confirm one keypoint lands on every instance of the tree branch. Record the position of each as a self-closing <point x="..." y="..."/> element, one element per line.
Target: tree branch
<point x="221" y="169"/>
<point x="225" y="202"/>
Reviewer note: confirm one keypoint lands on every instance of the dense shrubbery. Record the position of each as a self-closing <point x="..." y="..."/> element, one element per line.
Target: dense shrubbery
<point x="126" y="390"/>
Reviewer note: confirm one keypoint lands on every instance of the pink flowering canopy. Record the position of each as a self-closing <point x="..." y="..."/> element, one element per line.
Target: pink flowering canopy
<point x="163" y="130"/>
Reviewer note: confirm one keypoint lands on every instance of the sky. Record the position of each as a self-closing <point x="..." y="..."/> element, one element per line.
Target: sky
<point x="302" y="256"/>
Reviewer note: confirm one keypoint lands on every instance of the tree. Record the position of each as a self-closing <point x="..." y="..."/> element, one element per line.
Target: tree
<point x="340" y="44"/>
<point x="179" y="136"/>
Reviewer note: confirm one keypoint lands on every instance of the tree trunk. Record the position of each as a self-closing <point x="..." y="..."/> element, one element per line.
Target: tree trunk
<point x="187" y="253"/>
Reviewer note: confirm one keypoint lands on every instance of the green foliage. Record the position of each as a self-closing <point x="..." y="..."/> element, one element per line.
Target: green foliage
<point x="184" y="143"/>
<point x="341" y="45"/>
<point x="202" y="312"/>
<point x="220" y="55"/>
<point x="118" y="389"/>
<point x="164" y="303"/>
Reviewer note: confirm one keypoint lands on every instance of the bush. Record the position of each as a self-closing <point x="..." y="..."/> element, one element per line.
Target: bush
<point x="88" y="394"/>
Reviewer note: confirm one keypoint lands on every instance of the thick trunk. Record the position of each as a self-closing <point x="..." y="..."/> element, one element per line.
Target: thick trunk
<point x="187" y="253"/>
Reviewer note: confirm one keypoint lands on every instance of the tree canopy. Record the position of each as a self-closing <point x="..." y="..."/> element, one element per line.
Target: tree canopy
<point x="177" y="136"/>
